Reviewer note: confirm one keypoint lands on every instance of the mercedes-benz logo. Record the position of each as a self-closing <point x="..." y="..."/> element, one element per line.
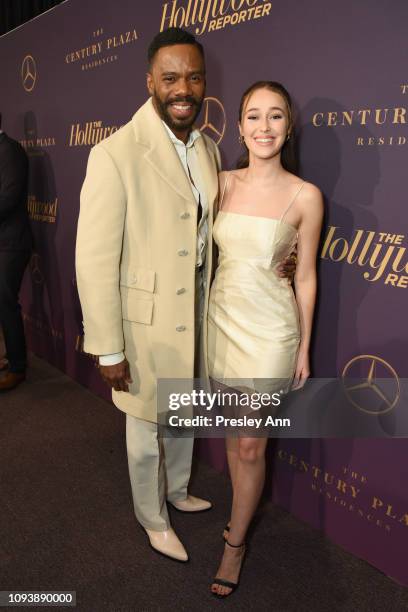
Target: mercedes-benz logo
<point x="28" y="73"/>
<point x="36" y="273"/>
<point x="215" y="119"/>
<point x="369" y="386"/>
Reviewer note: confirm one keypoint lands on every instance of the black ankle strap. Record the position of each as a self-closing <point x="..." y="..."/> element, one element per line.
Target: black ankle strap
<point x="235" y="545"/>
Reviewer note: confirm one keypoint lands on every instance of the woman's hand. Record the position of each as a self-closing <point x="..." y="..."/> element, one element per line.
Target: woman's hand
<point x="302" y="371"/>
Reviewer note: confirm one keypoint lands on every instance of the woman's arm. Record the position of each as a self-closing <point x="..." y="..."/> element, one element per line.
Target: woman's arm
<point x="311" y="207"/>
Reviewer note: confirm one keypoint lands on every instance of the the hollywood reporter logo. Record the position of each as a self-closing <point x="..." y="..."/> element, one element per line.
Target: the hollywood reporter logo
<point x="382" y="255"/>
<point x="211" y="15"/>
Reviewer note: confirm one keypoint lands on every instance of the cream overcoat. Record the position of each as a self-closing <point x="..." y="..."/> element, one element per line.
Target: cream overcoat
<point x="136" y="253"/>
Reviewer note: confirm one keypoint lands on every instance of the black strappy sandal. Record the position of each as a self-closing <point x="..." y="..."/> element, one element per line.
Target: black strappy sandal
<point x="221" y="582"/>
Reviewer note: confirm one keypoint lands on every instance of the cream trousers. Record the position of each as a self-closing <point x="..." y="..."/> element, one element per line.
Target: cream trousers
<point x="160" y="465"/>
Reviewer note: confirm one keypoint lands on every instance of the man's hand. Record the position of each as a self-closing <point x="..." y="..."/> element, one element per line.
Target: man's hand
<point x="287" y="267"/>
<point x="117" y="376"/>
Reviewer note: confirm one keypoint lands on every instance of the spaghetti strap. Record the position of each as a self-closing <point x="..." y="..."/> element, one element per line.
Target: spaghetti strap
<point x="224" y="189"/>
<point x="292" y="201"/>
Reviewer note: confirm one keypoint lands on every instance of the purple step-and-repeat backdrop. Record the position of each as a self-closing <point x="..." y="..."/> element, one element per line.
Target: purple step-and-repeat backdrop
<point x="77" y="73"/>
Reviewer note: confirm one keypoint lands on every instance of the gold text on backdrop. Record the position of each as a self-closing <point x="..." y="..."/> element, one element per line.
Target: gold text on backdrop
<point x="381" y="252"/>
<point x="103" y="51"/>
<point x="42" y="211"/>
<point x="90" y="133"/>
<point x="379" y="125"/>
<point x="211" y="15"/>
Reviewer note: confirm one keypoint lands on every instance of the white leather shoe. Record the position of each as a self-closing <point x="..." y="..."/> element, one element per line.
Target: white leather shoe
<point x="167" y="543"/>
<point x="192" y="504"/>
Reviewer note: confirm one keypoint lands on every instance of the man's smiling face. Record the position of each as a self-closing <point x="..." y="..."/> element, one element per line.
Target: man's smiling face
<point x="176" y="82"/>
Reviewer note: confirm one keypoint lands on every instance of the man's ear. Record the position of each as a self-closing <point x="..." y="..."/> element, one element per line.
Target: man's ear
<point x="149" y="83"/>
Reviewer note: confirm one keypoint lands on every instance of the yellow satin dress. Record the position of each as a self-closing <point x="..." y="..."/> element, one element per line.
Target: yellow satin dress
<point x="253" y="320"/>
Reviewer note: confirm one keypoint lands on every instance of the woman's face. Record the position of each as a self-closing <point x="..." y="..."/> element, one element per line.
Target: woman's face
<point x="264" y="123"/>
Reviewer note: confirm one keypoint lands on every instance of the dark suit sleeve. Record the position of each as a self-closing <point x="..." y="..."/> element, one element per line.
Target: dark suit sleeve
<point x="13" y="180"/>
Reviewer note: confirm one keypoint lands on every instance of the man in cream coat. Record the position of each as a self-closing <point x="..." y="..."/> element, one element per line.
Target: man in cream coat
<point x="143" y="269"/>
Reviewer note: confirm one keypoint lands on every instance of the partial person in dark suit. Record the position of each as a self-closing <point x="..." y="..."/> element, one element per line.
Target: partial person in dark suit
<point x="15" y="248"/>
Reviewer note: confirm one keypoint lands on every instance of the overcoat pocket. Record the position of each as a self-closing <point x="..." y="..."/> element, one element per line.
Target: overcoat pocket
<point x="135" y="308"/>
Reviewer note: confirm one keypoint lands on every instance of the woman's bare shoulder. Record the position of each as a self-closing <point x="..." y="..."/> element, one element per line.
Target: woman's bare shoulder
<point x="311" y="198"/>
<point x="311" y="192"/>
<point x="228" y="176"/>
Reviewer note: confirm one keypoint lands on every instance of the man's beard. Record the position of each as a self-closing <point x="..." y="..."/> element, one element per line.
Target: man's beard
<point x="178" y="124"/>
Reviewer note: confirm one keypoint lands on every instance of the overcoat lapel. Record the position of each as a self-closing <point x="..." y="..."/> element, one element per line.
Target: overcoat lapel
<point x="161" y="154"/>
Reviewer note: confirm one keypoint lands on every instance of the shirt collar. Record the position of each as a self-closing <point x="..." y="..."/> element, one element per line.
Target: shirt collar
<point x="194" y="134"/>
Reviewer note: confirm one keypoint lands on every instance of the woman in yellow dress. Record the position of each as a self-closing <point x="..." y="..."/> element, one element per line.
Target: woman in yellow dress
<point x="258" y="328"/>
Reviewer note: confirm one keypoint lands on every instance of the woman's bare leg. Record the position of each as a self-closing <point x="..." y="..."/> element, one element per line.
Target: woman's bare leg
<point x="247" y="489"/>
<point x="231" y="447"/>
